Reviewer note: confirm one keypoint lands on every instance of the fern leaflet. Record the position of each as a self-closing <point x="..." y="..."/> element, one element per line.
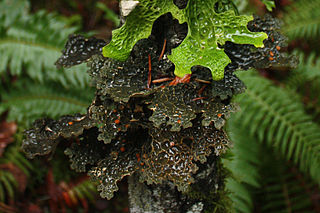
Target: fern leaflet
<point x="32" y="43"/>
<point x="28" y="101"/>
<point x="280" y="188"/>
<point x="277" y="116"/>
<point x="303" y="20"/>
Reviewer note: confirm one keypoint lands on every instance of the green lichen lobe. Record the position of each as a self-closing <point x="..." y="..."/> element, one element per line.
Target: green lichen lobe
<point x="138" y="26"/>
<point x="207" y="33"/>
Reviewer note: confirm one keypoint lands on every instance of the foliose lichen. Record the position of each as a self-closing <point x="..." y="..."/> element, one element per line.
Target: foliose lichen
<point x="140" y="122"/>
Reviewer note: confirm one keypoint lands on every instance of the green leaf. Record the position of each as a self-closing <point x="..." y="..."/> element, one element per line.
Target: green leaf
<point x="269" y="4"/>
<point x="206" y="29"/>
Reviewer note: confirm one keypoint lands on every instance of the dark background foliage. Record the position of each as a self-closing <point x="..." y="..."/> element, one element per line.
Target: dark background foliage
<point x="274" y="161"/>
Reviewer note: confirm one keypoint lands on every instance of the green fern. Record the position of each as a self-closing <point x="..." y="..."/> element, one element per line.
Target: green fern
<point x="244" y="165"/>
<point x="282" y="188"/>
<point x="28" y="101"/>
<point x="305" y="80"/>
<point x="84" y="190"/>
<point x="303" y="20"/>
<point x="262" y="180"/>
<point x="8" y="183"/>
<point x="309" y="67"/>
<point x="13" y="155"/>
<point x="308" y="71"/>
<point x="276" y="115"/>
<point x="32" y="43"/>
<point x="10" y="10"/>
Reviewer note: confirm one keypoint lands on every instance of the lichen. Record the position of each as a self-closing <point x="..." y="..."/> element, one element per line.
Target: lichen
<point x="207" y="29"/>
<point x="151" y="126"/>
<point x="173" y="106"/>
<point x="78" y="49"/>
<point x="123" y="80"/>
<point x="46" y="133"/>
<point x="245" y="56"/>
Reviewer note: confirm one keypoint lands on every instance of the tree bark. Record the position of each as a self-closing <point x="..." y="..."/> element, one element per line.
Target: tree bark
<point x="205" y="195"/>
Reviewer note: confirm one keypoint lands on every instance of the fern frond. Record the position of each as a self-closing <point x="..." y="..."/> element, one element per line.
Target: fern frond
<point x="28" y="101"/>
<point x="283" y="190"/>
<point x="84" y="190"/>
<point x="244" y="165"/>
<point x="305" y="80"/>
<point x="8" y="183"/>
<point x="10" y="10"/>
<point x="280" y="188"/>
<point x="308" y="68"/>
<point x="32" y="43"/>
<point x="275" y="115"/>
<point x="303" y="20"/>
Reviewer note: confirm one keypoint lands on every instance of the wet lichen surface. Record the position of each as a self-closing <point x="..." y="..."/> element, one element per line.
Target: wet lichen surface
<point x="139" y="123"/>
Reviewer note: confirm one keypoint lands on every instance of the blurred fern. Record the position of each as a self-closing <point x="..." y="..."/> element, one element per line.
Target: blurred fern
<point x="29" y="46"/>
<point x="303" y="20"/>
<point x="83" y="190"/>
<point x="305" y="80"/>
<point x="280" y="188"/>
<point x="271" y="131"/>
<point x="28" y="100"/>
<point x="32" y="87"/>
<point x="8" y="181"/>
<point x="31" y="43"/>
<point x="7" y="185"/>
<point x="70" y="194"/>
<point x="244" y="164"/>
<point x="277" y="116"/>
<point x="275" y="159"/>
<point x="109" y="14"/>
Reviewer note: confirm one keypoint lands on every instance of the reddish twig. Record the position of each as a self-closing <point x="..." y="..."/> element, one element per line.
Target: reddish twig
<point x="185" y="79"/>
<point x="202" y="81"/>
<point x="163" y="49"/>
<point x="200" y="98"/>
<point x="202" y="89"/>
<point x="160" y="80"/>
<point x="149" y="74"/>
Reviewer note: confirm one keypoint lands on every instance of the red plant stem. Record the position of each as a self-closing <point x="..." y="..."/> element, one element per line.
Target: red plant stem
<point x="202" y="89"/>
<point x="163" y="49"/>
<point x="161" y="80"/>
<point x="149" y="74"/>
<point x="202" y="81"/>
<point x="185" y="79"/>
<point x="200" y="98"/>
